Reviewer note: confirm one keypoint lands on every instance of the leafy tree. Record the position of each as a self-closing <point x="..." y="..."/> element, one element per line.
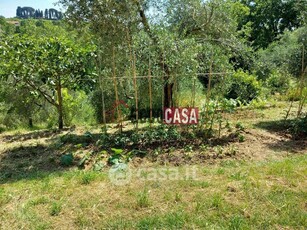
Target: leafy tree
<point x="45" y="65"/>
<point x="284" y="55"/>
<point x="270" y="18"/>
<point x="5" y="27"/>
<point x="184" y="23"/>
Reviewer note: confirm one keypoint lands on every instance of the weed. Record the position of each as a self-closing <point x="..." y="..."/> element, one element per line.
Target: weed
<point x="219" y="150"/>
<point x="81" y="221"/>
<point x="203" y="147"/>
<point x="38" y="201"/>
<point x="142" y="200"/>
<point x="237" y="222"/>
<point x="87" y="177"/>
<point x="241" y="138"/>
<point x="216" y="201"/>
<point x="188" y="148"/>
<point x="55" y="209"/>
<point x="238" y="176"/>
<point x="240" y="126"/>
<point x="178" y="197"/>
<point x="220" y="171"/>
<point x="4" y="198"/>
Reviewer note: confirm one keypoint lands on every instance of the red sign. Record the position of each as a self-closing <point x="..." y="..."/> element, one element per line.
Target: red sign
<point x="180" y="116"/>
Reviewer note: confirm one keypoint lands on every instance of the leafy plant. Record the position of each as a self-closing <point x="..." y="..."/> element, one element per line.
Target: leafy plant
<point x="67" y="159"/>
<point x="278" y="83"/>
<point x="241" y="138"/>
<point x="243" y="87"/>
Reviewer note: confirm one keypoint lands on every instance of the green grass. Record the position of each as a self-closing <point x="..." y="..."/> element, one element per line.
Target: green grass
<point x="232" y="195"/>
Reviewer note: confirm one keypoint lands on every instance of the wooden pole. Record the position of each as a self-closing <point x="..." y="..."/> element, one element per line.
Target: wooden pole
<point x="208" y="93"/>
<point x="116" y="91"/>
<point x="163" y="88"/>
<point x="302" y="99"/>
<point x="175" y="100"/>
<point x="102" y="96"/>
<point x="209" y="83"/>
<point x="150" y="93"/>
<point x="135" y="92"/>
<point x="133" y="67"/>
<point x="193" y="93"/>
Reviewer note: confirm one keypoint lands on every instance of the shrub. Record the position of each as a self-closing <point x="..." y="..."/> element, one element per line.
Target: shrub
<point x="2" y="128"/>
<point x="293" y="94"/>
<point x="243" y="86"/>
<point x="77" y="109"/>
<point x="298" y="126"/>
<point x="278" y="83"/>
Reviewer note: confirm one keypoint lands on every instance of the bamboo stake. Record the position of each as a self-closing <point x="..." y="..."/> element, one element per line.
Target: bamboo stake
<point x="208" y="91"/>
<point x="175" y="103"/>
<point x="102" y="97"/>
<point x="302" y="99"/>
<point x="116" y="91"/>
<point x="209" y="83"/>
<point x="133" y="67"/>
<point x="136" y="93"/>
<point x="193" y="93"/>
<point x="163" y="89"/>
<point x="150" y="92"/>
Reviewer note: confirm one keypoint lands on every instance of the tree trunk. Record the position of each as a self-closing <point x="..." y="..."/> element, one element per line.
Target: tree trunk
<point x="168" y="94"/>
<point x="60" y="104"/>
<point x="168" y="86"/>
<point x="30" y="122"/>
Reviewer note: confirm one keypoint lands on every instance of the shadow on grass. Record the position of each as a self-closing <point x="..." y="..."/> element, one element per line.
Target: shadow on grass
<point x="32" y="135"/>
<point x="29" y="162"/>
<point x="279" y="126"/>
<point x="296" y="138"/>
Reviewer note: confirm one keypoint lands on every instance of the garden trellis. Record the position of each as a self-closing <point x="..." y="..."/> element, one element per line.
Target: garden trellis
<point x="152" y="89"/>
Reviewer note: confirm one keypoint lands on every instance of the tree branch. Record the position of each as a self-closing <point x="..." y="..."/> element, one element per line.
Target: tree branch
<point x="44" y="94"/>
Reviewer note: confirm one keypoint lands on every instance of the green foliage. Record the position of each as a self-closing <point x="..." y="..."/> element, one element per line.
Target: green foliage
<point x="145" y="137"/>
<point x="298" y="126"/>
<point x="278" y="83"/>
<point x="45" y="64"/>
<point x="2" y="128"/>
<point x="87" y="177"/>
<point x="67" y="159"/>
<point x="55" y="209"/>
<point x="241" y="138"/>
<point x="283" y="56"/>
<point x="270" y="18"/>
<point x="212" y="116"/>
<point x="294" y="95"/>
<point x="143" y="200"/>
<point x="77" y="109"/>
<point x="243" y="87"/>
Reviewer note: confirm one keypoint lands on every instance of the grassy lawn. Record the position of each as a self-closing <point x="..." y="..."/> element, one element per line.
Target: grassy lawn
<point x="230" y="195"/>
<point x="262" y="185"/>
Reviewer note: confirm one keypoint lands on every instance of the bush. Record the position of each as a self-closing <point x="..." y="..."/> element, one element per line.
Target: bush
<point x="243" y="87"/>
<point x="77" y="108"/>
<point x="278" y="83"/>
<point x="298" y="126"/>
<point x="2" y="128"/>
<point x="293" y="94"/>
